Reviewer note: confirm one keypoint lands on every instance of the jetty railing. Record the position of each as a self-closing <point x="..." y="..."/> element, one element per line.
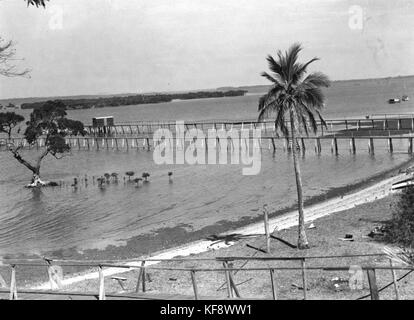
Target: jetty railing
<point x="271" y="142"/>
<point x="228" y="269"/>
<point x="373" y="123"/>
<point x="331" y="125"/>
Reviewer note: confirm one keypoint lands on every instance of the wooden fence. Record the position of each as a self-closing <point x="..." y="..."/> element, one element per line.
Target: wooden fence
<point x="227" y="269"/>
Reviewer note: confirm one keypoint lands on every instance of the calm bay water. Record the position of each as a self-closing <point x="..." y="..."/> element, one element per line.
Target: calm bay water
<point x="41" y="221"/>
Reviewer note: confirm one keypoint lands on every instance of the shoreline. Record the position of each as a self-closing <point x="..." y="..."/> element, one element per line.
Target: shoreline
<point x="339" y="199"/>
<point x="176" y="236"/>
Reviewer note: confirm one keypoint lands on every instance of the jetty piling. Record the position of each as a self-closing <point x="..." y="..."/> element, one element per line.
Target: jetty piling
<point x="371" y="146"/>
<point x="352" y="143"/>
<point x="390" y="146"/>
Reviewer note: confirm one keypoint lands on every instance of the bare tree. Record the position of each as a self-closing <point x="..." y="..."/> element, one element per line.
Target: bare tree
<point x="50" y="124"/>
<point x="7" y="56"/>
<point x="37" y="3"/>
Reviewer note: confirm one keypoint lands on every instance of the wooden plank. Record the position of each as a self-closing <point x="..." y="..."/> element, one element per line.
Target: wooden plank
<point x="228" y="284"/>
<point x="266" y="228"/>
<point x="101" y="284"/>
<point x="140" y="275"/>
<point x="193" y="280"/>
<point x="232" y="282"/>
<point x="273" y="283"/>
<point x="304" y="279"/>
<point x="13" y="286"/>
<point x="373" y="288"/>
<point x="394" y="280"/>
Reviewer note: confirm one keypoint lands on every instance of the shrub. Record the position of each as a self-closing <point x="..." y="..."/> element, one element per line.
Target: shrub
<point x="400" y="229"/>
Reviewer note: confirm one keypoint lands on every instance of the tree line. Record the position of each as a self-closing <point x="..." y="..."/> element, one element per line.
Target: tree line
<point x="87" y="103"/>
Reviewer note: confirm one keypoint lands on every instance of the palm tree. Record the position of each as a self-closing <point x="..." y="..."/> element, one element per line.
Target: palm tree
<point x="296" y="100"/>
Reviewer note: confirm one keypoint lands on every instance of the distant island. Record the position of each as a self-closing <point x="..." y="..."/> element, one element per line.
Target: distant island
<point x="115" y="101"/>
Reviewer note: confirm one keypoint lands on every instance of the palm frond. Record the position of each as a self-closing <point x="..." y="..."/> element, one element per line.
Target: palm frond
<point x="290" y="93"/>
<point x="301" y="68"/>
<point x="317" y="79"/>
<point x="280" y="121"/>
<point x="274" y="65"/>
<point x="268" y="77"/>
<point x="291" y="58"/>
<point x="311" y="118"/>
<point x="323" y="122"/>
<point x="401" y="256"/>
<point x="304" y="123"/>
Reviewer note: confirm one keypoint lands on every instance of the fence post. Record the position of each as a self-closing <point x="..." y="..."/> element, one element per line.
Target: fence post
<point x="304" y="276"/>
<point x="141" y="275"/>
<point x="266" y="227"/>
<point x="13" y="285"/>
<point x="373" y="288"/>
<point x="272" y="280"/>
<point x="101" y="284"/>
<point x="232" y="283"/>
<point x="229" y="291"/>
<point x="193" y="280"/>
<point x="394" y="279"/>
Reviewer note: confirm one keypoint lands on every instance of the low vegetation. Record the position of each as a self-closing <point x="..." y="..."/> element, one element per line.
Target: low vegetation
<point x="400" y="229"/>
<point x="86" y="103"/>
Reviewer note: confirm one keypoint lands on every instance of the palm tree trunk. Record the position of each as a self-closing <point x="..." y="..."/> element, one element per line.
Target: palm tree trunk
<point x="302" y="239"/>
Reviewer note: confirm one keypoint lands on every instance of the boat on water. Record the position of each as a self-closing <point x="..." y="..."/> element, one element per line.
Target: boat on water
<point x="394" y="100"/>
<point x="405" y="98"/>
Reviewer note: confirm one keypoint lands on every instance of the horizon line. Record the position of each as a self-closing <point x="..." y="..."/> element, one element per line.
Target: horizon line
<point x="190" y="90"/>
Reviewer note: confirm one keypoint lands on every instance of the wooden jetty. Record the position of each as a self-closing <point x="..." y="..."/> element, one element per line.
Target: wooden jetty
<point x="273" y="143"/>
<point x="373" y="130"/>
<point x="382" y="122"/>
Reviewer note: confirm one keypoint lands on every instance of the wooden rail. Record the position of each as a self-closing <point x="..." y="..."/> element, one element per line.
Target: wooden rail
<point x="227" y="269"/>
<point x="332" y="125"/>
<point x="273" y="143"/>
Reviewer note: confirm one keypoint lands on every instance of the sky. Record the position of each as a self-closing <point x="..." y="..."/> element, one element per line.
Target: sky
<point x="132" y="46"/>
